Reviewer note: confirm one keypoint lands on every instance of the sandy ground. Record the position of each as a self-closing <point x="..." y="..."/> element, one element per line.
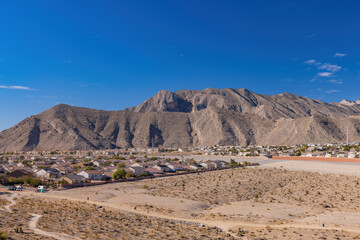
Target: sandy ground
<point x="352" y="169"/>
<point x="266" y="201"/>
<point x="276" y="200"/>
<point x="60" y="236"/>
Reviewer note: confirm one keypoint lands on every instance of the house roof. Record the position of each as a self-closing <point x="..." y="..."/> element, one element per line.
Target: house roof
<point x="93" y="172"/>
<point x="75" y="177"/>
<point x="154" y="170"/>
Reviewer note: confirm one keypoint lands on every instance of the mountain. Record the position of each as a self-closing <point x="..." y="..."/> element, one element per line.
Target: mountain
<point x="189" y="118"/>
<point x="349" y="103"/>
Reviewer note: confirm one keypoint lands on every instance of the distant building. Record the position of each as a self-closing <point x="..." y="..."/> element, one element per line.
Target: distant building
<point x="72" y="179"/>
<point x="91" y="174"/>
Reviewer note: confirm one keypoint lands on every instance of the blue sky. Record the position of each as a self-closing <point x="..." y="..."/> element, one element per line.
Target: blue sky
<point x="111" y="55"/>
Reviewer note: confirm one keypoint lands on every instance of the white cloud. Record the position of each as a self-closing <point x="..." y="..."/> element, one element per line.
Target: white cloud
<point x="340" y="54"/>
<point x="310" y="62"/>
<point x="324" y="74"/>
<point x="336" y="81"/>
<point x="15" y="87"/>
<point x="332" y="91"/>
<point x="330" y="67"/>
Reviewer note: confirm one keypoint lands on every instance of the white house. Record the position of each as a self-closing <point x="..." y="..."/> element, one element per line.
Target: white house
<point x="136" y="170"/>
<point x="91" y="174"/>
<point x="175" y="167"/>
<point x="47" y="173"/>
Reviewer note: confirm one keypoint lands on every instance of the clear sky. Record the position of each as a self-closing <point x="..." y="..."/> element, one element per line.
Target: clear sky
<point x="111" y="55"/>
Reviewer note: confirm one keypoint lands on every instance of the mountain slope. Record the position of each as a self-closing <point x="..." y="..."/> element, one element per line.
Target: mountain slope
<point x="188" y="118"/>
<point x="274" y="107"/>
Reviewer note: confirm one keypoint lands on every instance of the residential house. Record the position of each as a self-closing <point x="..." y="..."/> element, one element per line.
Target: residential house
<point x="208" y="165"/>
<point x="98" y="163"/>
<point x="154" y="171"/>
<point x="221" y="164"/>
<point x="175" y="167"/>
<point x="195" y="167"/>
<point x="65" y="170"/>
<point x="353" y="155"/>
<point x="136" y="170"/>
<point x="72" y="179"/>
<point x="163" y="168"/>
<point x="47" y="173"/>
<point x="20" y="173"/>
<point x="92" y="174"/>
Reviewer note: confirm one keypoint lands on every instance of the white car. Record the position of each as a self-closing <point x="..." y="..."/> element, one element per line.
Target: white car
<point x="19" y="188"/>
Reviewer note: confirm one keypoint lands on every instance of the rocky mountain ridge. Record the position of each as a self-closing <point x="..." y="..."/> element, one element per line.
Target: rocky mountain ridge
<point x="189" y="118"/>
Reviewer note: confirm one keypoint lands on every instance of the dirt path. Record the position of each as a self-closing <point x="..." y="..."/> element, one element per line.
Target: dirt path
<point x="12" y="202"/>
<point x="225" y="225"/>
<point x="60" y="236"/>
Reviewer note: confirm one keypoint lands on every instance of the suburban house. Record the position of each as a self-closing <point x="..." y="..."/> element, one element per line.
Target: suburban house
<point x="154" y="171"/>
<point x="20" y="173"/>
<point x="107" y="175"/>
<point x="72" y="179"/>
<point x="163" y="168"/>
<point x="195" y="167"/>
<point x="208" y="165"/>
<point x="221" y="164"/>
<point x="175" y="167"/>
<point x="140" y="164"/>
<point x="136" y="170"/>
<point x="47" y="173"/>
<point x="98" y="163"/>
<point x="65" y="170"/>
<point x="352" y="155"/>
<point x="91" y="174"/>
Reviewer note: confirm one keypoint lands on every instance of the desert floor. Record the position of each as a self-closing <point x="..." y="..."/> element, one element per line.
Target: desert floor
<point x="276" y="200"/>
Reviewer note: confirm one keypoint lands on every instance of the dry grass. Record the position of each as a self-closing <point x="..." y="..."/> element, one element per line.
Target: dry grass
<point x="292" y="233"/>
<point x="90" y="222"/>
<point x="264" y="185"/>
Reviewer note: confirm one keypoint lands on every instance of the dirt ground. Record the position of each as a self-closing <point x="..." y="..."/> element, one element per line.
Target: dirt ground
<point x="248" y="203"/>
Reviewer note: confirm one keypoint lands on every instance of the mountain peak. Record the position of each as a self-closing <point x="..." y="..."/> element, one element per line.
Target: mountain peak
<point x="193" y="118"/>
<point x="348" y="102"/>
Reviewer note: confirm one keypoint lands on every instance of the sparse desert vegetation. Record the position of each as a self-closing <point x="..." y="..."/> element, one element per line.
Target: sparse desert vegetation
<point x="258" y="203"/>
<point x="317" y="191"/>
<point x="88" y="221"/>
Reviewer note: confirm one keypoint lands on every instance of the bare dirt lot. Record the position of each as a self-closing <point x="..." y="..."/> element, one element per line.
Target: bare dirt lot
<point x="250" y="203"/>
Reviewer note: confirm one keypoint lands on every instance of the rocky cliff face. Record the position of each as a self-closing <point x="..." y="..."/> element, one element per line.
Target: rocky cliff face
<point x="189" y="118"/>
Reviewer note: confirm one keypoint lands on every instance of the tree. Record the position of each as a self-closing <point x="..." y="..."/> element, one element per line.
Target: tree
<point x="120" y="165"/>
<point x="129" y="175"/>
<point x="233" y="163"/>
<point x="119" y="174"/>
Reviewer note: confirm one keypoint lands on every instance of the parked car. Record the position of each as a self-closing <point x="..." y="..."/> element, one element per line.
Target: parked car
<point x="19" y="188"/>
<point x="12" y="188"/>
